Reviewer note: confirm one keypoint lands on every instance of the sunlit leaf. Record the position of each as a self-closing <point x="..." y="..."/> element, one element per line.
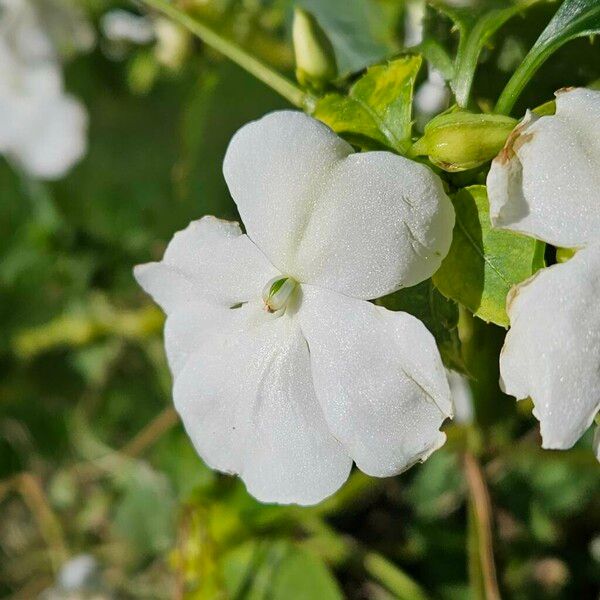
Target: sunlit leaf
<point x="377" y="110"/>
<point x="484" y="263"/>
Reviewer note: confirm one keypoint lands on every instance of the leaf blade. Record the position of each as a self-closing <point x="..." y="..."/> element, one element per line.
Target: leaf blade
<point x="378" y="107"/>
<point x="484" y="263"/>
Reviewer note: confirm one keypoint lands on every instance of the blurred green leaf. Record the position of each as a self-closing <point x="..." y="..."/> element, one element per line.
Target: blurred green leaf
<point x="378" y="108"/>
<point x="302" y="576"/>
<point x="484" y="263"/>
<point x="574" y="18"/>
<point x="393" y="578"/>
<point x="437" y="488"/>
<point x="277" y="570"/>
<point x="146" y="511"/>
<point x="361" y="31"/>
<point x="476" y="24"/>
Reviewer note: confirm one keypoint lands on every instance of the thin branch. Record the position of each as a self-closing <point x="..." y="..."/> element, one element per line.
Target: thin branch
<point x="31" y="490"/>
<point x="481" y="507"/>
<point x="143" y="440"/>
<point x="162" y="423"/>
<point x="276" y="81"/>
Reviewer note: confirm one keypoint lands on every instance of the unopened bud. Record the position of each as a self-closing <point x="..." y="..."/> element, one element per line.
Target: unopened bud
<point x="315" y="59"/>
<point x="457" y="141"/>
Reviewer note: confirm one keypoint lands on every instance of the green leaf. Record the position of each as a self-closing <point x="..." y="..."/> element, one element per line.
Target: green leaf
<point x="575" y="18"/>
<point x="277" y="570"/>
<point x="362" y="31"/>
<point x="437" y="313"/>
<point x="436" y="489"/>
<point x="476" y="25"/>
<point x="484" y="263"/>
<point x="145" y="514"/>
<point x="377" y="110"/>
<point x="303" y="576"/>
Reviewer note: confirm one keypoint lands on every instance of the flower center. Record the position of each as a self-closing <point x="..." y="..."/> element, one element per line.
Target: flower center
<point x="278" y="293"/>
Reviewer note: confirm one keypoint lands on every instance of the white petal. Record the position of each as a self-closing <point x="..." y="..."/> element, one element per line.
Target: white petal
<point x="42" y="128"/>
<point x="192" y="325"/>
<point x="362" y="224"/>
<point x="546" y="182"/>
<point x="379" y="377"/>
<point x="596" y="443"/>
<point x="248" y="403"/>
<point x="552" y="351"/>
<point x="210" y="260"/>
<point x="55" y="136"/>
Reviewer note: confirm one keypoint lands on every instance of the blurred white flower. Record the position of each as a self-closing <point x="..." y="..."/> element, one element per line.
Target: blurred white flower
<point x="42" y="129"/>
<point x="546" y="183"/>
<point x="433" y="95"/>
<point x="123" y="26"/>
<point x="80" y="578"/>
<point x="431" y="98"/>
<point x="67" y="25"/>
<point x="413" y="23"/>
<point x="173" y="43"/>
<point x="462" y="397"/>
<point x="284" y="373"/>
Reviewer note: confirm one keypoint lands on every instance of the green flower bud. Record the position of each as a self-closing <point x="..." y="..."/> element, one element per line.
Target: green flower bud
<point x="565" y="254"/>
<point x="457" y="141"/>
<point x="315" y="59"/>
<point x="278" y="293"/>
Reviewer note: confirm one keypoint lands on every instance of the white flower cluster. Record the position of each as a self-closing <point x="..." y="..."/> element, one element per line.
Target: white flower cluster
<point x="42" y="128"/>
<point x="546" y="184"/>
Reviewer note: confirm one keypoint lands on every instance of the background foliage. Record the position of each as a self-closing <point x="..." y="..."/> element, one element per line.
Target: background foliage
<point x="92" y="458"/>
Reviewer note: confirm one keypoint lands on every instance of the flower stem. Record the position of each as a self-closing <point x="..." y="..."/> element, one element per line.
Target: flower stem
<point x="276" y="81"/>
<point x="392" y="578"/>
<point x="482" y="569"/>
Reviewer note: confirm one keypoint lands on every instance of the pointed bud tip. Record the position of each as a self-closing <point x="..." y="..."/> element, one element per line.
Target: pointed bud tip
<point x="315" y="59"/>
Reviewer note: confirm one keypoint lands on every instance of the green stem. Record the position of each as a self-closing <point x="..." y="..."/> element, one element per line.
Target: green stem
<point x="282" y="85"/>
<point x="465" y="65"/>
<point x="470" y="46"/>
<point x="395" y="580"/>
<point x="482" y="569"/>
<point x="533" y="61"/>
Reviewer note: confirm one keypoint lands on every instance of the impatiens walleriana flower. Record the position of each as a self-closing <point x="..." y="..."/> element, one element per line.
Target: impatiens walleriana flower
<point x="283" y="372"/>
<point x="42" y="129"/>
<point x="546" y="183"/>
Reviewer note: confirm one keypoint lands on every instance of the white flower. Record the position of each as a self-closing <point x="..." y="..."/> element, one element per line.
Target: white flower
<point x="462" y="397"/>
<point x="283" y="373"/>
<point x="42" y="129"/>
<point x="431" y="98"/>
<point x="120" y="25"/>
<point x="546" y="183"/>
